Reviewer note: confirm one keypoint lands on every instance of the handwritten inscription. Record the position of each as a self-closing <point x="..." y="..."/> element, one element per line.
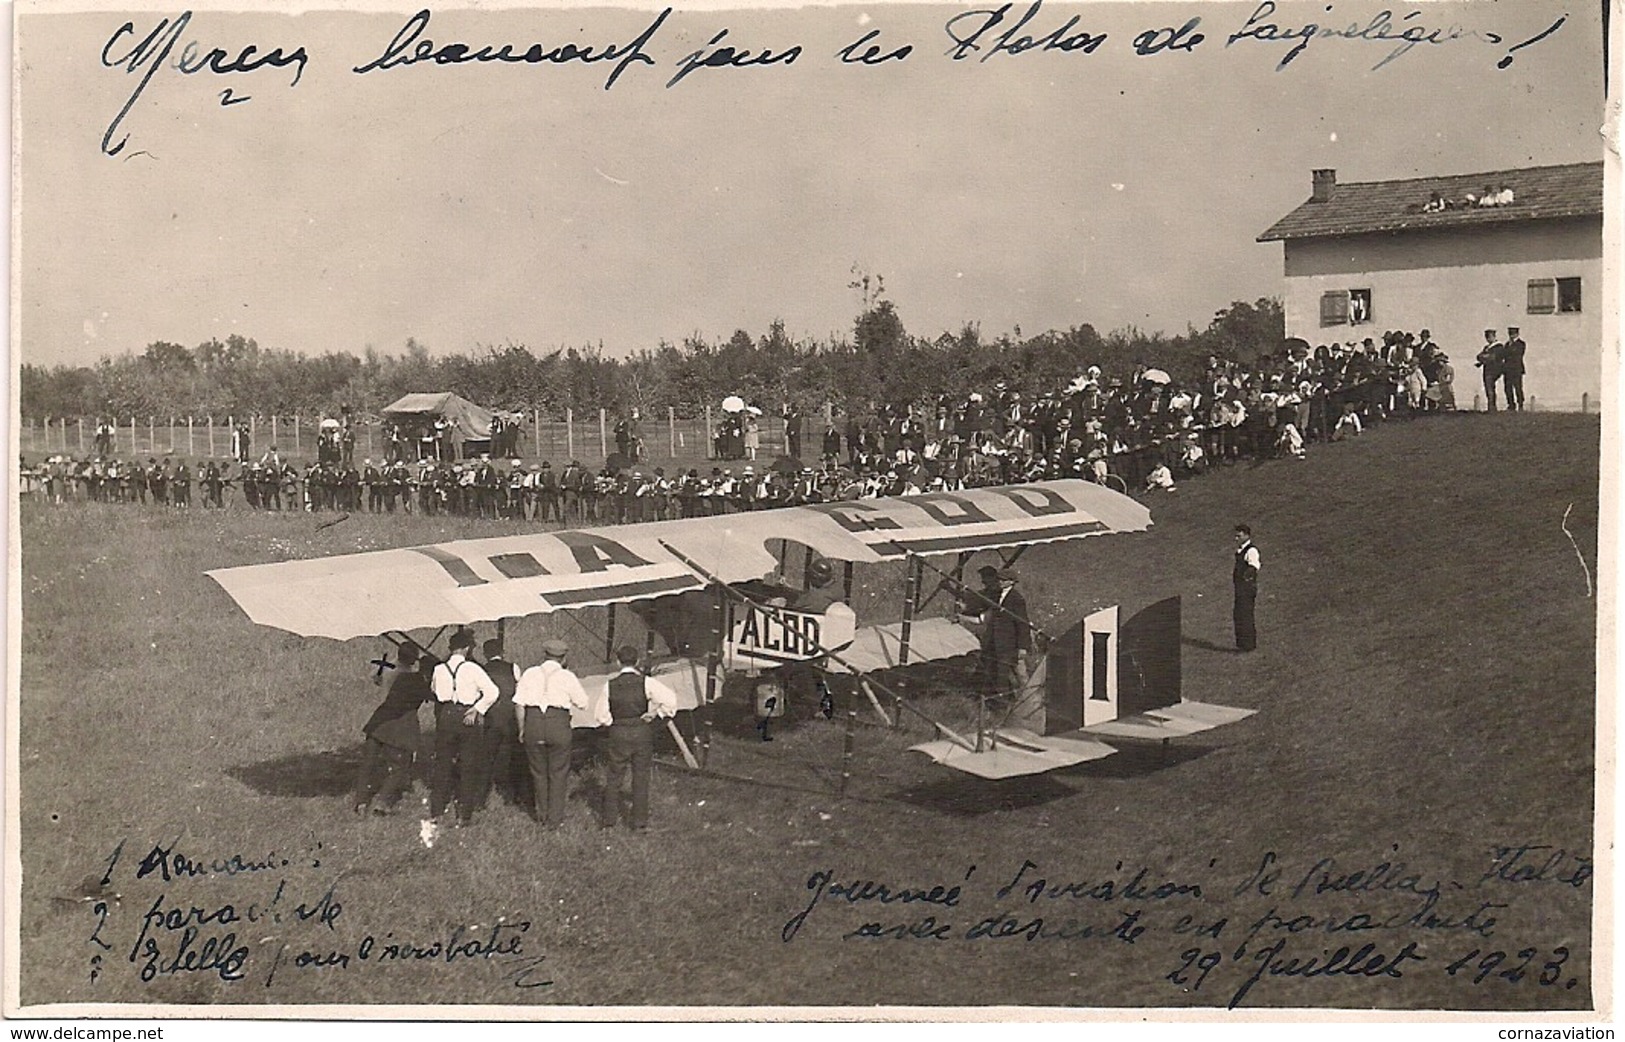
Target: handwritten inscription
<point x="280" y="916"/>
<point x="978" y="35"/>
<point x="145" y="55"/>
<point x="1406" y="32"/>
<point x="1280" y="919"/>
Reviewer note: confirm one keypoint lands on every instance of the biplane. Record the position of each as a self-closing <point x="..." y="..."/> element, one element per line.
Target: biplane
<point x="714" y="590"/>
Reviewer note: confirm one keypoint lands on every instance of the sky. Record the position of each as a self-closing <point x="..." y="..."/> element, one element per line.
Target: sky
<point x="486" y="204"/>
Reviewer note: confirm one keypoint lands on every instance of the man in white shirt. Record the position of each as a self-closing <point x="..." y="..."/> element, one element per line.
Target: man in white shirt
<point x="463" y="691"/>
<point x="629" y="712"/>
<point x="545" y="698"/>
<point x="1244" y="574"/>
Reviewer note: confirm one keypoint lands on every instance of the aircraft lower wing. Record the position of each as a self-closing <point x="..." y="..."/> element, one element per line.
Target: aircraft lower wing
<point x="1175" y="721"/>
<point x="1013" y="752"/>
<point x="877" y="647"/>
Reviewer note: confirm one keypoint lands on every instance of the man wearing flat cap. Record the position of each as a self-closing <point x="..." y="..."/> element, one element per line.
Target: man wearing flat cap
<point x="463" y="693"/>
<point x="547" y="695"/>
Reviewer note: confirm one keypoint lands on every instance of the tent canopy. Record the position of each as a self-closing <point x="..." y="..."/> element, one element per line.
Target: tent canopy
<point x="471" y="422"/>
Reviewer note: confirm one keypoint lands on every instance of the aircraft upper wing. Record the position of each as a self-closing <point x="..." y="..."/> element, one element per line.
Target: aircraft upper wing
<point x="481" y="580"/>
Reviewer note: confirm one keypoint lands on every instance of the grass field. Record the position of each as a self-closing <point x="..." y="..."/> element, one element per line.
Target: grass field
<point x="1425" y="694"/>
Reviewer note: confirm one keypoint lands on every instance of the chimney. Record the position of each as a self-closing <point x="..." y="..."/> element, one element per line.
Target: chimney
<point x="1322" y="182"/>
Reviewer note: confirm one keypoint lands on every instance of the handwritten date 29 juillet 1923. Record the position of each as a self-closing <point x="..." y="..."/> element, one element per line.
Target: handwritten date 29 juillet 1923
<point x="272" y="923"/>
<point x="1308" y="919"/>
<point x="979" y="35"/>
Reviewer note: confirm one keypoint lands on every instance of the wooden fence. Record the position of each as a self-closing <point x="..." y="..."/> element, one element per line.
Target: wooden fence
<point x="587" y="437"/>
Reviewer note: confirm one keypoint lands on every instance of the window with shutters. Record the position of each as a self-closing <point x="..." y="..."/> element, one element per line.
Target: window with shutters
<point x="1334" y="307"/>
<point x="1359" y="306"/>
<point x="1542" y="296"/>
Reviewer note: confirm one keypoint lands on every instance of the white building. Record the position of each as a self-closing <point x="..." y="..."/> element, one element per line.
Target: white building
<point x="1364" y="258"/>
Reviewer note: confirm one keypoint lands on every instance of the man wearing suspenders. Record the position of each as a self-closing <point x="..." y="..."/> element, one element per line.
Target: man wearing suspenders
<point x="546" y="696"/>
<point x="1245" y="577"/>
<point x="463" y="692"/>
<point x="629" y="712"/>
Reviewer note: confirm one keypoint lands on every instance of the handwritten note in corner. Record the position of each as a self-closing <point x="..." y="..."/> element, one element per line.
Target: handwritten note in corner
<point x="1314" y="919"/>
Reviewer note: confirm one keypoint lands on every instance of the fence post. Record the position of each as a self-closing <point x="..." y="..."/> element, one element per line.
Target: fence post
<point x="1532" y="405"/>
<point x="132" y="438"/>
<point x="536" y="429"/>
<point x="211" y="437"/>
<point x="1585" y="402"/>
<point x="82" y="435"/>
<point x="671" y="429"/>
<point x="1476" y="403"/>
<point x="152" y="436"/>
<point x="296" y="434"/>
<point x="253" y="431"/>
<point x="172" y="435"/>
<point x="570" y="432"/>
<point x="829" y="414"/>
<point x="710" y="439"/>
<point x="603" y="432"/>
<point x="273" y="428"/>
<point x="189" y="435"/>
<point x="369" y="441"/>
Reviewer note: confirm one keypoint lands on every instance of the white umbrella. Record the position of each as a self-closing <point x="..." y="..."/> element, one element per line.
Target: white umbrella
<point x="733" y="403"/>
<point x="753" y="410"/>
<point x="329" y="424"/>
<point x="1156" y="376"/>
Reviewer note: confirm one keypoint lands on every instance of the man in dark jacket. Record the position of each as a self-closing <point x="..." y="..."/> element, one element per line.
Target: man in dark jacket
<point x="501" y="725"/>
<point x="1512" y="369"/>
<point x="1007" y="636"/>
<point x="392" y="738"/>
<point x="1492" y="360"/>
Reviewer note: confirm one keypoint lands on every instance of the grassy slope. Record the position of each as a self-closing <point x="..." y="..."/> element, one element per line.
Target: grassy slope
<point x="1424" y="690"/>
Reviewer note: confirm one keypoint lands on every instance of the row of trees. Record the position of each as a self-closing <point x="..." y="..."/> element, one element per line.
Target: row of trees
<point x="881" y="363"/>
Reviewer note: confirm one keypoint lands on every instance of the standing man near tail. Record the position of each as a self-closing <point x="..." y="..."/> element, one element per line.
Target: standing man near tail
<point x="1245" y="576"/>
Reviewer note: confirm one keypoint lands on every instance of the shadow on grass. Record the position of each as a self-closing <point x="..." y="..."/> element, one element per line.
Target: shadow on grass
<point x="1207" y="645"/>
<point x="324" y="774"/>
<point x="967" y="796"/>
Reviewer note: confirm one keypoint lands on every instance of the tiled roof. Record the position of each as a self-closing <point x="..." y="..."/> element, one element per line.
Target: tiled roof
<point x="1572" y="190"/>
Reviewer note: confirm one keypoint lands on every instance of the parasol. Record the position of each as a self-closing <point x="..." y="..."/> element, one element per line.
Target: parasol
<point x="753" y="410"/>
<point x="1156" y="376"/>
<point x="330" y="424"/>
<point x="733" y="403"/>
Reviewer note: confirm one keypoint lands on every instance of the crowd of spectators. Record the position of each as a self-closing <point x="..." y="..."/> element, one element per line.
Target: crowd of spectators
<point x="1140" y="431"/>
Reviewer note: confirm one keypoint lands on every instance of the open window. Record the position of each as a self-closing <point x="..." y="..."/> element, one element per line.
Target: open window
<point x="1568" y="296"/>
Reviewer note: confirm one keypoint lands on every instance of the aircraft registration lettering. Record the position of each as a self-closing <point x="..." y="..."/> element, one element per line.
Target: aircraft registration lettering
<point x="596" y="553"/>
<point x="938" y="505"/>
<point x="1036" y="500"/>
<point x="855" y="517"/>
<point x="518" y="565"/>
<point x="453" y="565"/>
<point x="786" y="635"/>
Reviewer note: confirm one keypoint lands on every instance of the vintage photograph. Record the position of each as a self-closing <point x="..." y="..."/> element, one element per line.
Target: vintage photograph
<point x="905" y="510"/>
